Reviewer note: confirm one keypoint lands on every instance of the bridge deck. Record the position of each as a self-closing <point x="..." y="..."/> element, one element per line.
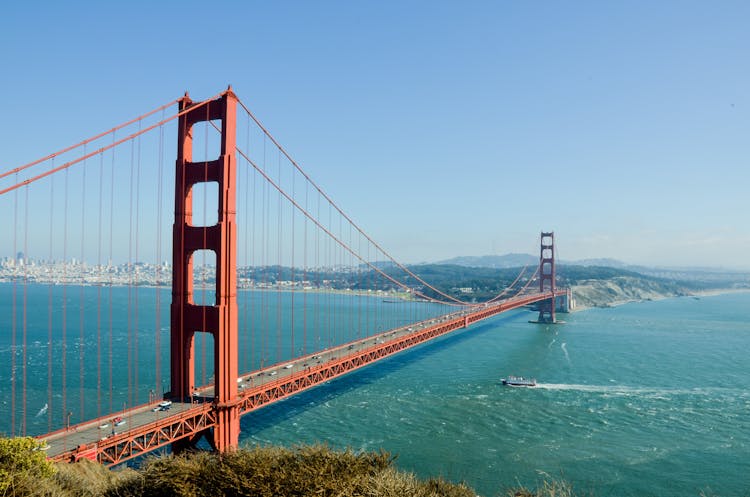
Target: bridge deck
<point x="146" y="428"/>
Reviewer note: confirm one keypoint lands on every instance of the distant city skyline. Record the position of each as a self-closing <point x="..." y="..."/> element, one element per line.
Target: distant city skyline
<point x="8" y="261"/>
<point x="442" y="129"/>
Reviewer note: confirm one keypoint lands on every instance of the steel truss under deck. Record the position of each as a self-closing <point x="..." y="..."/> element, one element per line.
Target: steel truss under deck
<point x="191" y="424"/>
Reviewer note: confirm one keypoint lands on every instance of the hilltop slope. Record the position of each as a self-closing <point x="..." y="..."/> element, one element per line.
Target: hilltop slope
<point x="623" y="289"/>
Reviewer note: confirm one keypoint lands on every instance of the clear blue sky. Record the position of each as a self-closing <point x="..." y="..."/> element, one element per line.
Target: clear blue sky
<point x="442" y="128"/>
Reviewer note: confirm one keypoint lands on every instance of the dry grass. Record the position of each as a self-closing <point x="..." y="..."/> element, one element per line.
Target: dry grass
<point x="275" y="472"/>
<point x="314" y="471"/>
<point x="84" y="479"/>
<point x="549" y="488"/>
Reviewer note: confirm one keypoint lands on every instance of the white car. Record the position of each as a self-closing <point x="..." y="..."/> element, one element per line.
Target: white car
<point x="165" y="403"/>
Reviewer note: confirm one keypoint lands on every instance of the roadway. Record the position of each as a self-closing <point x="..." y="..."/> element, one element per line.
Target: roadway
<point x="187" y="419"/>
<point x="102" y="429"/>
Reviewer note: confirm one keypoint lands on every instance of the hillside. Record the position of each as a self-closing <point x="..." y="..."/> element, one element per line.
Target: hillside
<point x="622" y="289"/>
<point x="261" y="472"/>
<point x="593" y="286"/>
<point x="491" y="261"/>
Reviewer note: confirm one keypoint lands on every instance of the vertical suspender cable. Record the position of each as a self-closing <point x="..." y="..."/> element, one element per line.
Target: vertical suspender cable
<point x="340" y="319"/>
<point x="248" y="265"/>
<point x="369" y="285"/>
<point x="359" y="288"/>
<point x="356" y="270"/>
<point x="304" y="279"/>
<point x="25" y="301"/>
<point x="81" y="262"/>
<point x="327" y="269"/>
<point x="157" y="326"/>
<point x="340" y="327"/>
<point x="99" y="293"/>
<point x="130" y="278"/>
<point x="376" y="277"/>
<point x="65" y="414"/>
<point x="111" y="275"/>
<point x="14" y="317"/>
<point x="318" y="288"/>
<point x="50" y="409"/>
<point x="329" y="259"/>
<point x="266" y="256"/>
<point x="294" y="287"/>
<point x="252" y="260"/>
<point x="279" y="221"/>
<point x="263" y="251"/>
<point x="351" y="302"/>
<point x="135" y="272"/>
<point x="248" y="356"/>
<point x="346" y="299"/>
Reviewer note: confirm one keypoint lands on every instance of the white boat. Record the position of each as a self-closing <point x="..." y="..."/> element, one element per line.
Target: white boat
<point x="519" y="381"/>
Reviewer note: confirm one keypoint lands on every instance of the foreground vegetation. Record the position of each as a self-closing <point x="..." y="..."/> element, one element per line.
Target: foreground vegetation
<point x="262" y="472"/>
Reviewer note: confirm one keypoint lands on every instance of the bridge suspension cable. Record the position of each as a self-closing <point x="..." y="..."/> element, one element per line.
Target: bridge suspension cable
<point x="449" y="299"/>
<point x="82" y="213"/>
<point x="311" y="278"/>
<point x="88" y="155"/>
<point x="405" y="269"/>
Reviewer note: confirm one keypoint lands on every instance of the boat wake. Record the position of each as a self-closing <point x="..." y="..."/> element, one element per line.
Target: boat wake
<point x="42" y="411"/>
<point x="564" y="349"/>
<point x="628" y="390"/>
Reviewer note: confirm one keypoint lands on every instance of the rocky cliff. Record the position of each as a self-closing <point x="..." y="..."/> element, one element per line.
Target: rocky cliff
<point x="622" y="289"/>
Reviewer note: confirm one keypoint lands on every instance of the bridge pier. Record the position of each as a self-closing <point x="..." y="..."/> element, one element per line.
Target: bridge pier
<point x="226" y="433"/>
<point x="565" y="302"/>
<point x="189" y="443"/>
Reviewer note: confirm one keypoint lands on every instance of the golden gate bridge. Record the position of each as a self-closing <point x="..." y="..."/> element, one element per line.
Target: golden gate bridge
<point x="274" y="288"/>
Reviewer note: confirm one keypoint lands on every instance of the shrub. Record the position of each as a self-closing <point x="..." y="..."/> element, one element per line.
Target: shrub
<point x="22" y="465"/>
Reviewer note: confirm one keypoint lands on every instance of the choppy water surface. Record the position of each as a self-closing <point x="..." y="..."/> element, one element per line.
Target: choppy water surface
<point x="645" y="399"/>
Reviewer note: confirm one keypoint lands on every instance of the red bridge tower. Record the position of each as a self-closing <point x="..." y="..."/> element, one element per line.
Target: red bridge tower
<point x="220" y="319"/>
<point x="547" y="277"/>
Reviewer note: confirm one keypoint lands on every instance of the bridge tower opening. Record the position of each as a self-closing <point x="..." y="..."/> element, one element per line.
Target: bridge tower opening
<point x="547" y="277"/>
<point x="187" y="317"/>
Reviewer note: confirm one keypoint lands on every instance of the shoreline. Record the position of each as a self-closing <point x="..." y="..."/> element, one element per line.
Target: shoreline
<point x="401" y="297"/>
<point x="695" y="294"/>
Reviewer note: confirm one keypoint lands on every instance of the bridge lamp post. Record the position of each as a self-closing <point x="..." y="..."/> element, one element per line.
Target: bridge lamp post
<point x="67" y="420"/>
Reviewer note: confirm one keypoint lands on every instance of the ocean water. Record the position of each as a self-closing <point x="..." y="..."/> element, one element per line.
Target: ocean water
<point x="648" y="398"/>
<point x="91" y="351"/>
